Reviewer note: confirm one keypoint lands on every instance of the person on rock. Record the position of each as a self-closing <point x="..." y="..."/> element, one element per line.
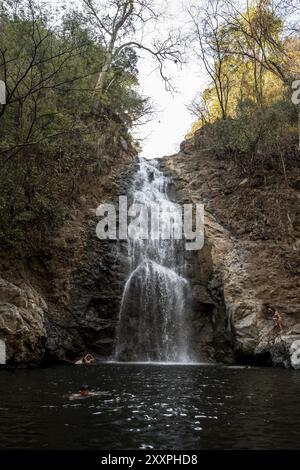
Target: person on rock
<point x="277" y="317"/>
<point x="278" y="320"/>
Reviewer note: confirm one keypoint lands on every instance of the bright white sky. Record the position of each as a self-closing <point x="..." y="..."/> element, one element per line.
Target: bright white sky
<point x="164" y="134"/>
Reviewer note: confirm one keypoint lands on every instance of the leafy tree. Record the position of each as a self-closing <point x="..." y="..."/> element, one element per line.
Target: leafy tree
<point x="123" y="24"/>
<point x="251" y="65"/>
<point x="51" y="137"/>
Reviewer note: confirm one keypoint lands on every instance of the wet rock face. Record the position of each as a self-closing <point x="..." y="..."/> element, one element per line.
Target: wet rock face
<point x="96" y="296"/>
<point x="22" y="317"/>
<point x="209" y="338"/>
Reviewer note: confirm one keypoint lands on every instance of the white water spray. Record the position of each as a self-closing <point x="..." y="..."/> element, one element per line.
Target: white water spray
<point x="154" y="324"/>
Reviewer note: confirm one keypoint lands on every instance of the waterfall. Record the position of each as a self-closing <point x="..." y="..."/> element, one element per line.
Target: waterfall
<point x="153" y="323"/>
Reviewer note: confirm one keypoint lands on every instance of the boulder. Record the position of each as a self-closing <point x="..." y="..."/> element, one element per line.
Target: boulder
<point x="295" y="354"/>
<point x="22" y="313"/>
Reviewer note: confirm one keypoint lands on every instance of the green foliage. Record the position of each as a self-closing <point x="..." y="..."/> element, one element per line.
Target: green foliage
<point x="253" y="120"/>
<point x="52" y="134"/>
<point x="257" y="136"/>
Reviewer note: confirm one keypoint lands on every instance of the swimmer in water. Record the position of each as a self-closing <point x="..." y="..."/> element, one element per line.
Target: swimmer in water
<point x="84" y="392"/>
<point x="87" y="359"/>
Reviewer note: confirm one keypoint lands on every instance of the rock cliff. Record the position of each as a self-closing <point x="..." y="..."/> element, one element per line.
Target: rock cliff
<point x="246" y="284"/>
<point x="63" y="300"/>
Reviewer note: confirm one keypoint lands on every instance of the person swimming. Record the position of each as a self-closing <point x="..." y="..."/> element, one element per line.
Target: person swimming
<point x="84" y="392"/>
<point x="87" y="359"/>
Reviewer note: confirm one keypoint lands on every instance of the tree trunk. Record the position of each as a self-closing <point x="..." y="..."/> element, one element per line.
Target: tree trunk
<point x="103" y="75"/>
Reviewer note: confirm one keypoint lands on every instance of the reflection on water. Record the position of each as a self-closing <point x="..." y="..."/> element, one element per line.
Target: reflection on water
<point x="141" y="406"/>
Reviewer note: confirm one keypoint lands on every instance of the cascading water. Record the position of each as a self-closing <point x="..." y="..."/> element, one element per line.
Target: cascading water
<point x="153" y="324"/>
